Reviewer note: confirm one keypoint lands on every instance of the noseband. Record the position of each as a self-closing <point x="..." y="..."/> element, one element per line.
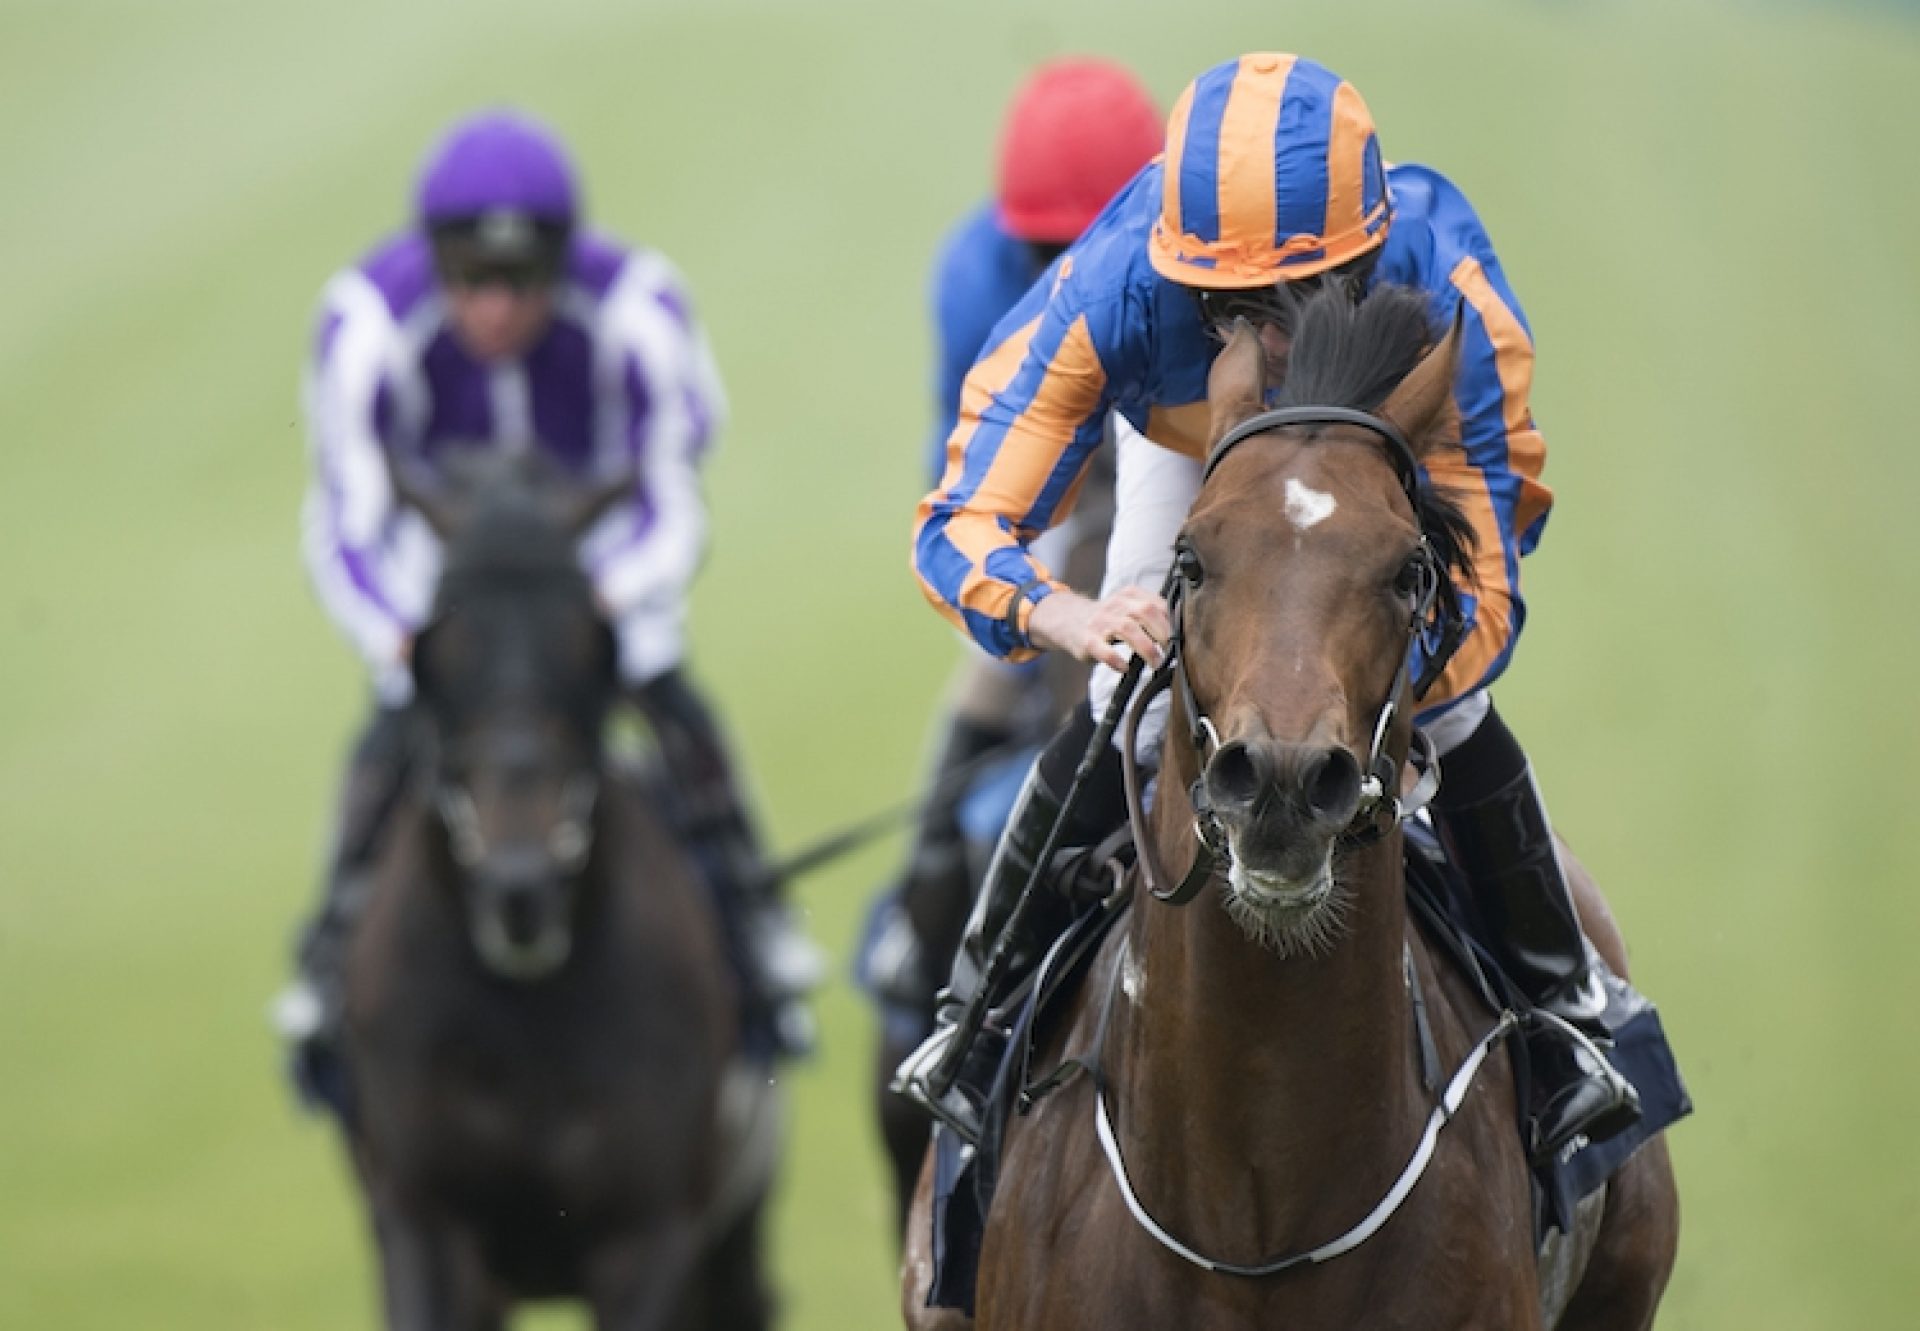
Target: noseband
<point x="569" y="844"/>
<point x="1435" y="623"/>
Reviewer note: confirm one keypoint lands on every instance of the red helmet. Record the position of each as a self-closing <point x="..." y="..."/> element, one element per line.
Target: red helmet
<point x="1077" y="131"/>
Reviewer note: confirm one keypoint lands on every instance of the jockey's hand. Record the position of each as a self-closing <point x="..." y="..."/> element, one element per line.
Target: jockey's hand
<point x="1133" y="619"/>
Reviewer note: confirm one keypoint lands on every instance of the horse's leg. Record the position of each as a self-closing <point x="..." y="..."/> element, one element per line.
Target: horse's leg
<point x="1633" y="1254"/>
<point x="640" y="1280"/>
<point x="916" y="1262"/>
<point x="433" y="1279"/>
<point x="733" y="1279"/>
<point x="1640" y="1233"/>
<point x="904" y="1126"/>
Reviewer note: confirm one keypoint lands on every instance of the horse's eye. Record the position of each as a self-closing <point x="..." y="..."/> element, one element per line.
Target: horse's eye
<point x="1187" y="560"/>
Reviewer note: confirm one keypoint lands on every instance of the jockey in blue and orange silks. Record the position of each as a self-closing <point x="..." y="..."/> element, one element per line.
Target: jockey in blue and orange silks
<point x="498" y="321"/>
<point x="1272" y="177"/>
<point x="1075" y="132"/>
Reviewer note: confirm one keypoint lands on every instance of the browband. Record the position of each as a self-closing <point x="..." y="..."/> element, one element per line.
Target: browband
<point x="1398" y="449"/>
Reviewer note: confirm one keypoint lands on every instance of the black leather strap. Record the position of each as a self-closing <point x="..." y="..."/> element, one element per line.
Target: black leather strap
<point x="1398" y="449"/>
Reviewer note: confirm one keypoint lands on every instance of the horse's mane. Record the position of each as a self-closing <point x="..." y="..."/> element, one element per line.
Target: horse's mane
<point x="1354" y="354"/>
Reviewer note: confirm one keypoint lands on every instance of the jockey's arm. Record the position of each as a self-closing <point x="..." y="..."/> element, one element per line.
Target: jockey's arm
<point x="1495" y="475"/>
<point x="349" y="500"/>
<point x="1032" y="410"/>
<point x="644" y="554"/>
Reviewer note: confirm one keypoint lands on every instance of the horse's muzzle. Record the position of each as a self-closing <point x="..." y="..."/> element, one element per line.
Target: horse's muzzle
<point x="520" y="911"/>
<point x="1283" y="804"/>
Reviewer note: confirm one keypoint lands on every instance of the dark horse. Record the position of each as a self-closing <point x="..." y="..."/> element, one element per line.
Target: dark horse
<point x="539" y="1017"/>
<point x="1262" y="1094"/>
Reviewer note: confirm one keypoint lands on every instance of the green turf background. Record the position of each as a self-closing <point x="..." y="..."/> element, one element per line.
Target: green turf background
<point x="1708" y="209"/>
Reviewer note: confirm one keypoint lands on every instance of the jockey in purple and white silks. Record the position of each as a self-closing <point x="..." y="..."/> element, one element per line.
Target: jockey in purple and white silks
<point x="621" y="377"/>
<point x="498" y="322"/>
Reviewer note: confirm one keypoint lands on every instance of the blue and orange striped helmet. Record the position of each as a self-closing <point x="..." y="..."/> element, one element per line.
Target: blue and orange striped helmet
<point x="1273" y="172"/>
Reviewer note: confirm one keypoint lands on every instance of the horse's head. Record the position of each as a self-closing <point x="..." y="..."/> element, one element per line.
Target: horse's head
<point x="516" y="672"/>
<point x="1313" y="558"/>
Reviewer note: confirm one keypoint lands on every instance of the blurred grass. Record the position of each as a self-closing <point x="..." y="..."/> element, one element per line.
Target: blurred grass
<point x="1707" y="208"/>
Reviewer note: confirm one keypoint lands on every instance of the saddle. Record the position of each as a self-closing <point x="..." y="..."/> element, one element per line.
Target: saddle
<point x="965" y="1178"/>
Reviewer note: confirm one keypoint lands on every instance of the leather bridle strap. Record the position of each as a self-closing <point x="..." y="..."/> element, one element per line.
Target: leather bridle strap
<point x="1212" y="847"/>
<point x="1381" y="805"/>
<point x="1399" y="451"/>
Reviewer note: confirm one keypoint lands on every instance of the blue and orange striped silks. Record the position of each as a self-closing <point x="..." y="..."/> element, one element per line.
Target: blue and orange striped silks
<point x="1105" y="331"/>
<point x="1019" y="468"/>
<point x="1273" y="171"/>
<point x="1494" y="475"/>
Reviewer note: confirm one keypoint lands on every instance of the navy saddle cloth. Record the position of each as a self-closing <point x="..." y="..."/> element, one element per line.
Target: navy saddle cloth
<point x="965" y="1179"/>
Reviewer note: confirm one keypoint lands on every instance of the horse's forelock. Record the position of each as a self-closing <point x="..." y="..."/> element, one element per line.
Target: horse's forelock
<point x="1352" y="354"/>
<point x="512" y="571"/>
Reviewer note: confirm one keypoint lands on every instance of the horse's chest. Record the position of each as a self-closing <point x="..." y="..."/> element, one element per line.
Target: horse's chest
<point x="1125" y="1280"/>
<point x="1065" y="1252"/>
<point x="551" y="1138"/>
<point x="479" y="1089"/>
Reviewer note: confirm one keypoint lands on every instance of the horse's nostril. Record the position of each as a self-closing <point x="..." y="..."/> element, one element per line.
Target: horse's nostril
<point x="1236" y="776"/>
<point x="1332" y="786"/>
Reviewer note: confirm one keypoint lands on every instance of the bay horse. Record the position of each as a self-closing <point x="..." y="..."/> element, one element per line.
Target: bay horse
<point x="539" y="1019"/>
<point x="1261" y="1144"/>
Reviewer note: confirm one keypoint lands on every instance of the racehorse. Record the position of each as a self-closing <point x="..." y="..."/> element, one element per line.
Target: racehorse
<point x="539" y="1019"/>
<point x="1298" y="1112"/>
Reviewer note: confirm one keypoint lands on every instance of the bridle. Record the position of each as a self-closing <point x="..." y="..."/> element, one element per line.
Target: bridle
<point x="568" y="847"/>
<point x="569" y="843"/>
<point x="1435" y="623"/>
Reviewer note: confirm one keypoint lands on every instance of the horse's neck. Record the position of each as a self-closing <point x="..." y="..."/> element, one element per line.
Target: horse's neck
<point x="1290" y="1081"/>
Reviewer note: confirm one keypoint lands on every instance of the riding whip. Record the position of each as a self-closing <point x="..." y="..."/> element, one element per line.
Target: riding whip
<point x="974" y="1015"/>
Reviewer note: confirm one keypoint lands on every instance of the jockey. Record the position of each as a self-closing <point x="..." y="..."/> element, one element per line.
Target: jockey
<point x="1272" y="176"/>
<point x="1077" y="130"/>
<point x="497" y="321"/>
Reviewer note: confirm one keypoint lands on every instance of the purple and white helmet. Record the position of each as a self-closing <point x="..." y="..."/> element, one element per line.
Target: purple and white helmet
<point x="501" y="180"/>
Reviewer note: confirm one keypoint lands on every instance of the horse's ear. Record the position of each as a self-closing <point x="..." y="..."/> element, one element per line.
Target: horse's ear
<point x="1236" y="385"/>
<point x="442" y="509"/>
<point x="1422" y="405"/>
